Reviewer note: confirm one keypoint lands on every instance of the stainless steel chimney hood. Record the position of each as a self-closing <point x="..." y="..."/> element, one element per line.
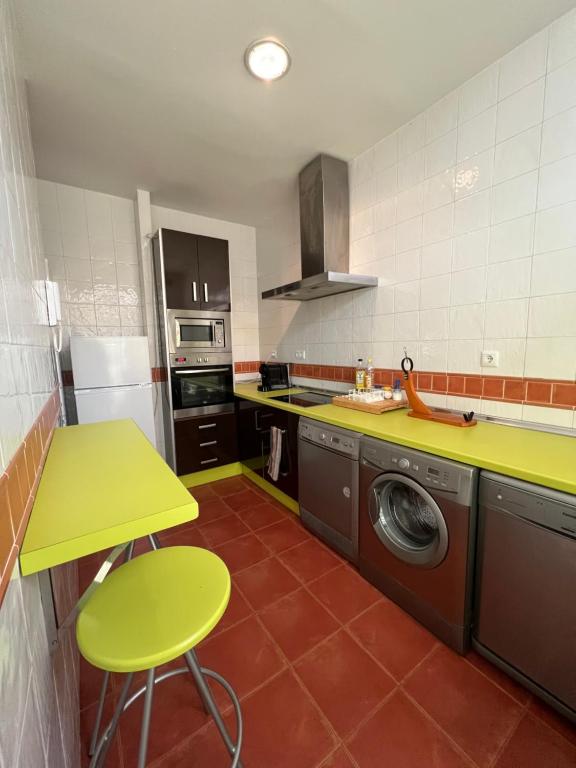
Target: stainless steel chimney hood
<point x="324" y="235"/>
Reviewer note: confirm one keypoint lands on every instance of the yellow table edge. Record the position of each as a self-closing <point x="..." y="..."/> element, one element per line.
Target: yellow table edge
<point x="57" y="554"/>
<point x="375" y="426"/>
<point x="109" y="466"/>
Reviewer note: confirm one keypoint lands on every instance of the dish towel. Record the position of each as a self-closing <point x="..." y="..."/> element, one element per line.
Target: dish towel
<point x="273" y="466"/>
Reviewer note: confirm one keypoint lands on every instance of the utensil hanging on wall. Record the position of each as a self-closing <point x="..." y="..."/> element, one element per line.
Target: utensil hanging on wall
<point x="421" y="411"/>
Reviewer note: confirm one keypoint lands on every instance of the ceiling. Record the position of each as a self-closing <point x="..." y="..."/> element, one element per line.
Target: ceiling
<point x="155" y="94"/>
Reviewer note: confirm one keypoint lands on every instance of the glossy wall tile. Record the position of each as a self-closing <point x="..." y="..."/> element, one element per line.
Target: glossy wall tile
<point x="38" y="720"/>
<point x="467" y="215"/>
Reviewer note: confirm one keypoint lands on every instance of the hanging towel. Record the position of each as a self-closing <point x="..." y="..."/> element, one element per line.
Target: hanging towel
<point x="273" y="466"/>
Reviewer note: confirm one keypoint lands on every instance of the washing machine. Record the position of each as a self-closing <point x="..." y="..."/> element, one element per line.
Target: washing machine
<point x="417" y="524"/>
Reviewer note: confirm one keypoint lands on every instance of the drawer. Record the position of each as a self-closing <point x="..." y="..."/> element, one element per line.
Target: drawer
<point x="205" y="442"/>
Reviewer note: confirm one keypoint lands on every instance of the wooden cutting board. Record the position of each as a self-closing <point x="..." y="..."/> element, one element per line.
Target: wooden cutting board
<point x="379" y="407"/>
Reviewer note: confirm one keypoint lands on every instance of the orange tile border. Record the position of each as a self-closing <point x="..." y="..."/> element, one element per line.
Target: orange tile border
<point x="18" y="485"/>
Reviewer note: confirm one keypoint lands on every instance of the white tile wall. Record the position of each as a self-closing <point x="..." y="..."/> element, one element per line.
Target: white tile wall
<point x="467" y="215"/>
<point x="89" y="240"/>
<point x="38" y="709"/>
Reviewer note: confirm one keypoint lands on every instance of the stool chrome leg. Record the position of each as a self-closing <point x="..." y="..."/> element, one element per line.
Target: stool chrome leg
<point x="108" y="736"/>
<point x="208" y="701"/>
<point x="146" y="718"/>
<point x="100" y="710"/>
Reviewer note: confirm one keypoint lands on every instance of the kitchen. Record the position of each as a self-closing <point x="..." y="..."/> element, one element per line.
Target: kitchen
<point x="205" y="318"/>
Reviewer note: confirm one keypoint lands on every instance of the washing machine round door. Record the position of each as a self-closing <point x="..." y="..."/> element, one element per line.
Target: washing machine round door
<point x="408" y="521"/>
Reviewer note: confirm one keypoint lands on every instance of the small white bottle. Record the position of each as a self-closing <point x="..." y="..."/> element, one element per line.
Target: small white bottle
<point x="397" y="393"/>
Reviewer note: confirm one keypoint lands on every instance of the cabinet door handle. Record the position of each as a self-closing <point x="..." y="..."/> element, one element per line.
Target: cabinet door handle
<point x="210" y="442"/>
<point x="208" y="461"/>
<point x="206" y="426"/>
<point x="194" y="291"/>
<point x="205" y="291"/>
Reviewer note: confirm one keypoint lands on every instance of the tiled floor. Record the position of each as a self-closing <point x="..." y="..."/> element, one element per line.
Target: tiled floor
<point x="330" y="673"/>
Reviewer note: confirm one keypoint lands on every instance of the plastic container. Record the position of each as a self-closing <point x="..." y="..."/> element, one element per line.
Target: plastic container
<point x="360" y="375"/>
<point x="387" y="393"/>
<point x="369" y="374"/>
<point x="397" y="393"/>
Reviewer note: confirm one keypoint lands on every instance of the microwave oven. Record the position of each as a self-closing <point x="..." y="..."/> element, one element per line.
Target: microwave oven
<point x="198" y="331"/>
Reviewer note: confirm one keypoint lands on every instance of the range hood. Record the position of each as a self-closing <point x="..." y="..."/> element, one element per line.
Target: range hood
<point x="324" y="235"/>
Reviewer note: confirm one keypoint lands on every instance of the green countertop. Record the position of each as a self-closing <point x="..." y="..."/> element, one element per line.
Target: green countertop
<point x="538" y="457"/>
<point x="103" y="484"/>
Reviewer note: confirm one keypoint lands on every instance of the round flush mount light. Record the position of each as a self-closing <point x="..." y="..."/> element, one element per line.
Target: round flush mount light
<point x="267" y="59"/>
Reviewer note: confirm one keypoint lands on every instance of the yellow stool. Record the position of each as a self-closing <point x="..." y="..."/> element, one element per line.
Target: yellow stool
<point x="148" y="612"/>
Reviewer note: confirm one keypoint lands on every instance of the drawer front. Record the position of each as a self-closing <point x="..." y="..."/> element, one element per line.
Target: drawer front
<point x="205" y="442"/>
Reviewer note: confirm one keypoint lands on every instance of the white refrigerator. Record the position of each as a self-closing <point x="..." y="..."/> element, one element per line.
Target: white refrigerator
<point x="113" y="380"/>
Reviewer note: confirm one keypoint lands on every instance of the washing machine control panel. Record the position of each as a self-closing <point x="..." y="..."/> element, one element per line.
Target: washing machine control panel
<point x="430" y="471"/>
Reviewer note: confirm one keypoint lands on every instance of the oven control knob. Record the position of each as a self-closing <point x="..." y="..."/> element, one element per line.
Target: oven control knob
<point x="403" y="464"/>
<point x="198" y="359"/>
<point x="205" y="359"/>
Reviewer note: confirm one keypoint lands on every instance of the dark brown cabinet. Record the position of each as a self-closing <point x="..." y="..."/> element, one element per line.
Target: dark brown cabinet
<point x="205" y="442"/>
<point x="254" y="424"/>
<point x="196" y="271"/>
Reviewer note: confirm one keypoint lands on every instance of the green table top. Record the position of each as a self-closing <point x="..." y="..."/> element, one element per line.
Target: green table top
<point x="535" y="456"/>
<point x="103" y="484"/>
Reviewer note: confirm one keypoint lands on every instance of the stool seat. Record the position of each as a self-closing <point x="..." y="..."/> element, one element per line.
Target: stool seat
<point x="153" y="609"/>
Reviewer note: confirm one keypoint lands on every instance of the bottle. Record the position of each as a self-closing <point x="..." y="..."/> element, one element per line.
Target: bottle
<point x="369" y="381"/>
<point x="360" y="375"/>
<point x="397" y="391"/>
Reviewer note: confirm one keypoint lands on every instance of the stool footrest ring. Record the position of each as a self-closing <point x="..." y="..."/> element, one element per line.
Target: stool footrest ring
<point x="172" y="673"/>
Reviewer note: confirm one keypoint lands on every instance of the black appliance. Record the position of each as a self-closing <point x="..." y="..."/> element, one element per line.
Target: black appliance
<point x="305" y="399"/>
<point x="198" y="390"/>
<point x="274" y="376"/>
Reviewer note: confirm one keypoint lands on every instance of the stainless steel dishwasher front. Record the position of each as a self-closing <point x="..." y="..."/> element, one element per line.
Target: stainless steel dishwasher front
<point x="525" y="617"/>
<point x="328" y="484"/>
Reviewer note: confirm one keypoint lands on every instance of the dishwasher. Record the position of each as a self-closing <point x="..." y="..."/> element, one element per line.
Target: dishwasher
<point x="525" y="615"/>
<point x="328" y="484"/>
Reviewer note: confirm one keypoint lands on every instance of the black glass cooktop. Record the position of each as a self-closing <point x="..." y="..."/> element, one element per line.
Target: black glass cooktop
<point x="305" y="399"/>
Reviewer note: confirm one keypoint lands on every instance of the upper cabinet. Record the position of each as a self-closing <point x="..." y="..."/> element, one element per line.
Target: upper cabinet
<point x="196" y="271"/>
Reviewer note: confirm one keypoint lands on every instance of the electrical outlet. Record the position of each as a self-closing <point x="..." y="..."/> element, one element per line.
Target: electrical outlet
<point x="273" y="354"/>
<point x="490" y="359"/>
<point x="300" y="354"/>
<point x="303" y="354"/>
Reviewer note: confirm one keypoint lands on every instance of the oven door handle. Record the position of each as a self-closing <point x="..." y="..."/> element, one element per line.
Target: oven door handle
<point x="198" y="371"/>
<point x="194" y="291"/>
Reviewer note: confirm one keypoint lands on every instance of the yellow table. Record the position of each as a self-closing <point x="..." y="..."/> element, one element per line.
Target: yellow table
<point x="103" y="484"/>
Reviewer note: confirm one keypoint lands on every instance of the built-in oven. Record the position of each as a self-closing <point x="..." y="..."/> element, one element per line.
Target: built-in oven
<point x="199" y="390"/>
<point x="198" y="331"/>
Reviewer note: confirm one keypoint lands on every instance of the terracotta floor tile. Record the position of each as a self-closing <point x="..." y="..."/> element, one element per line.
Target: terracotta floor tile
<point x="204" y="749"/>
<point x="478" y="715"/>
<point x="392" y="637"/>
<point x="245" y="499"/>
<point x="344" y="592"/>
<point x="188" y="535"/>
<point x="338" y="759"/>
<point x="535" y="745"/>
<point x="283" y="535"/>
<point x="344" y="680"/>
<point x="261" y="515"/>
<point x="228" y="486"/>
<point x="552" y="718"/>
<point x="212" y="509"/>
<point x="499" y="677"/>
<point x="243" y="654"/>
<point x="237" y="610"/>
<point x="224" y="529"/>
<point x="266" y="582"/>
<point x="309" y="560"/>
<point x="399" y="734"/>
<point x="203" y="492"/>
<point x="242" y="552"/>
<point x="298" y="622"/>
<point x="283" y="728"/>
<point x="177" y="712"/>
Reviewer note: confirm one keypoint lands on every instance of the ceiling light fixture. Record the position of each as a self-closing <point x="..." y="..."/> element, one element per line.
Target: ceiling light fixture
<point x="267" y="59"/>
